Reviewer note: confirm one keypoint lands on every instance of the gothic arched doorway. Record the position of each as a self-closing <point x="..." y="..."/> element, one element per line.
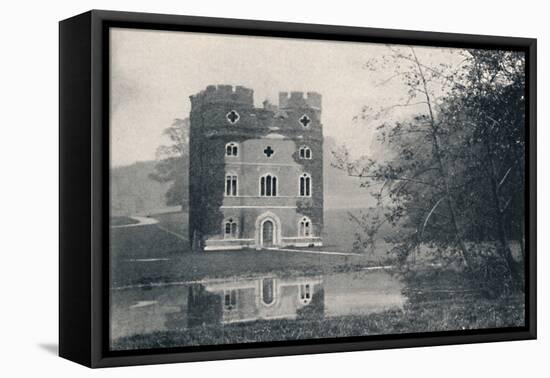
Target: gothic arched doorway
<point x="267" y="233"/>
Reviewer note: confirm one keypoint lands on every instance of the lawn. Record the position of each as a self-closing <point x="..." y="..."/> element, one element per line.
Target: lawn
<point x="177" y="267"/>
<point x="122" y="221"/>
<point x="175" y="221"/>
<point x="160" y="253"/>
<point x="144" y="241"/>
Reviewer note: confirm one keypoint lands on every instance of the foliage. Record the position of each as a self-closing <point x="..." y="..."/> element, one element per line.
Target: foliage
<point x="173" y="161"/>
<point x="454" y="182"/>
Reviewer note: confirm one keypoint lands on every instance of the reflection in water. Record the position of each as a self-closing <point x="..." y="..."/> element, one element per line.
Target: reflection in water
<point x="242" y="300"/>
<point x="361" y="293"/>
<point x="141" y="311"/>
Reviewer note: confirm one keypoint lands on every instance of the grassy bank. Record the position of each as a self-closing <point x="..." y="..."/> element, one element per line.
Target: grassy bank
<point x="194" y="266"/>
<point x="160" y="253"/>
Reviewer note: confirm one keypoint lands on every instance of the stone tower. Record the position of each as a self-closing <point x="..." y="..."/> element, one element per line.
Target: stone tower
<point x="256" y="174"/>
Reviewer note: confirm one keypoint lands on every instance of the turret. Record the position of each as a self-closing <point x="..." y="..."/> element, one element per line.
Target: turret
<point x="298" y="100"/>
<point x="213" y="94"/>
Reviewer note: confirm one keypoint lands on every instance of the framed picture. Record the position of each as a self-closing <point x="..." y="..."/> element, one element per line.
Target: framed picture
<point x="234" y="188"/>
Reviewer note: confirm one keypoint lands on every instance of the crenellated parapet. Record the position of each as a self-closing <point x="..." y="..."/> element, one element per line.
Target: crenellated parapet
<point x="227" y="94"/>
<point x="295" y="100"/>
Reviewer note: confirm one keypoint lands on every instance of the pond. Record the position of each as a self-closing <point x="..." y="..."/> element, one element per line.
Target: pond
<point x="224" y="310"/>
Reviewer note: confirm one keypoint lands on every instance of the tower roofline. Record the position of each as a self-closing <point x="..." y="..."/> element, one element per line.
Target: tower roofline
<point x="297" y="99"/>
<point x="224" y="93"/>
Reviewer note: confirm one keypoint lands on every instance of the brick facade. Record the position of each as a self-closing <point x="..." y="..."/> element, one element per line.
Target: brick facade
<point x="233" y="145"/>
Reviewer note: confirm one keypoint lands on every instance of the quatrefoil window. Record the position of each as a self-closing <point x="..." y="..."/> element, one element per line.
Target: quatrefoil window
<point x="232" y="117"/>
<point x="305" y="120"/>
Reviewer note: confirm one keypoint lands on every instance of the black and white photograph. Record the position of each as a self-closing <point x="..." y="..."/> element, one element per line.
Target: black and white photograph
<point x="274" y="189"/>
<point x="266" y="189"/>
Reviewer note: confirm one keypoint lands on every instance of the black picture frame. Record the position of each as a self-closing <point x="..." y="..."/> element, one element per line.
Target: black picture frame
<point x="84" y="184"/>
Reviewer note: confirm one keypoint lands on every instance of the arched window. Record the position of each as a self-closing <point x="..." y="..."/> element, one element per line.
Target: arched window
<point x="304" y="227"/>
<point x="268" y="291"/>
<point x="305" y="185"/>
<point x="230" y="229"/>
<point x="231" y="184"/>
<point x="268" y="185"/>
<point x="305" y="152"/>
<point x="231" y="149"/>
<point x="305" y="293"/>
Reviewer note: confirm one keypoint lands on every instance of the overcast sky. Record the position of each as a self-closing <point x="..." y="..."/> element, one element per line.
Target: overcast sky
<point x="153" y="73"/>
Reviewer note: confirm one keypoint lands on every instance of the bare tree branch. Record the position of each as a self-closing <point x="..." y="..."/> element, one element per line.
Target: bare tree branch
<point x="429" y="215"/>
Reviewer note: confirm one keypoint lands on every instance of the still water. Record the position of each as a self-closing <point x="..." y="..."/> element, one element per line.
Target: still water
<point x="218" y="302"/>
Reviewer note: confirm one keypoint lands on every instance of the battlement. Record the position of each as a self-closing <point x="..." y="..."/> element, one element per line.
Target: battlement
<point x="298" y="100"/>
<point x="224" y="93"/>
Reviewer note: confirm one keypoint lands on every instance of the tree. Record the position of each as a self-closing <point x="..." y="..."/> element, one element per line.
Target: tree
<point x="454" y="183"/>
<point x="173" y="162"/>
<point x="489" y="108"/>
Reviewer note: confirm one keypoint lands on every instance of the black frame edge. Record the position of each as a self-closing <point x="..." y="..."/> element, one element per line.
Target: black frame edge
<point x="100" y="163"/>
<point x="277" y="351"/>
<point x="531" y="266"/>
<point x="310" y="31"/>
<point x="75" y="334"/>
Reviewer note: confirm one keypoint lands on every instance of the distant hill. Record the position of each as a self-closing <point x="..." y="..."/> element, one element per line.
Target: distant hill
<point x="342" y="191"/>
<point x="133" y="192"/>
